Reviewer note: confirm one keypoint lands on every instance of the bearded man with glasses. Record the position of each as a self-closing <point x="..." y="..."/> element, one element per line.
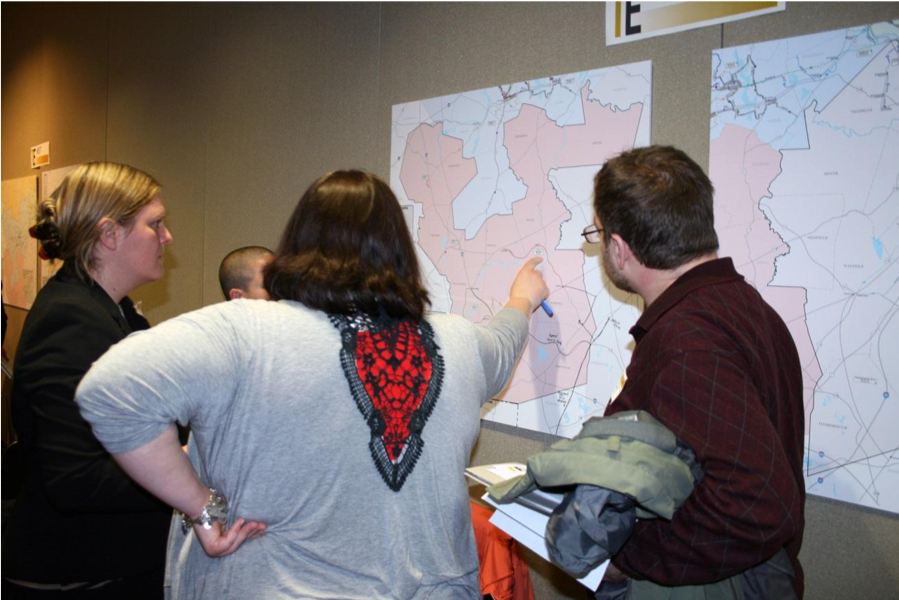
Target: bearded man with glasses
<point x="717" y="366"/>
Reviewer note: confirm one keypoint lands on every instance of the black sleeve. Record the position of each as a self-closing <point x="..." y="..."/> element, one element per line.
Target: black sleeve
<point x="76" y="473"/>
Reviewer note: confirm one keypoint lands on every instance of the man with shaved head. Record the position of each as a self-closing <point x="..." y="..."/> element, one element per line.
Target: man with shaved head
<point x="240" y="273"/>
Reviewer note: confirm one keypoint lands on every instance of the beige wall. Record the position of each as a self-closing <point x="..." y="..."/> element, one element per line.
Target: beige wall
<point x="236" y="108"/>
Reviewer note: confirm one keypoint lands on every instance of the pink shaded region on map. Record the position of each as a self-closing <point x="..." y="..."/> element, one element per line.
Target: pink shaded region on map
<point x="480" y="270"/>
<point x="742" y="169"/>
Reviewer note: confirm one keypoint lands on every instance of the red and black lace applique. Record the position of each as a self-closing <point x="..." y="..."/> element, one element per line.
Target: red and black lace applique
<point x="395" y="373"/>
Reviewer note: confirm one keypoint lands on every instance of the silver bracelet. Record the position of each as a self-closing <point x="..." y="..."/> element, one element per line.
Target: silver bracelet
<point x="216" y="509"/>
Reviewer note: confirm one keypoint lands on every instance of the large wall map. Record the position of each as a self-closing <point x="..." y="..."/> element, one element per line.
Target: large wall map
<point x="805" y="160"/>
<point x="492" y="177"/>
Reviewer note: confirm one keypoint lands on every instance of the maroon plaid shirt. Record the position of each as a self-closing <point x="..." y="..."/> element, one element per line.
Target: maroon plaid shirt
<point x="717" y="366"/>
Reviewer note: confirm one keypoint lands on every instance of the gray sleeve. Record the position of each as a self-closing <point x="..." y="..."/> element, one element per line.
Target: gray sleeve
<point x="185" y="370"/>
<point x="500" y="343"/>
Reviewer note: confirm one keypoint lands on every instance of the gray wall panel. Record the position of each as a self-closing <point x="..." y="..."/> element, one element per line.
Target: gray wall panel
<point x="157" y="121"/>
<point x="238" y="188"/>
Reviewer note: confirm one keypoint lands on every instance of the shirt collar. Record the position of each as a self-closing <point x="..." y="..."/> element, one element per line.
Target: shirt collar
<point x="711" y="272"/>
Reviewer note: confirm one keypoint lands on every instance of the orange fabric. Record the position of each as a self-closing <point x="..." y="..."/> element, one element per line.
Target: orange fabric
<point x="504" y="574"/>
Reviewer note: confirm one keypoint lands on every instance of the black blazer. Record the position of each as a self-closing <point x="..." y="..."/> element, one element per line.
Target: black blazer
<point x="78" y="517"/>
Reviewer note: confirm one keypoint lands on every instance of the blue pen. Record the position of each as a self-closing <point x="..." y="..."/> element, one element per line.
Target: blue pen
<point x="546" y="307"/>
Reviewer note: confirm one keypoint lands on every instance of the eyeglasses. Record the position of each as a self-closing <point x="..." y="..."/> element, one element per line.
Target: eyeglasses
<point x="591" y="234"/>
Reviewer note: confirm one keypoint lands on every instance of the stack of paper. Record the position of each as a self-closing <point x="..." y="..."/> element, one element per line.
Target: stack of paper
<point x="525" y="519"/>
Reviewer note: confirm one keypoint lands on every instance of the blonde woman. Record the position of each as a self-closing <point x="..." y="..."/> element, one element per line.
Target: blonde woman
<point x="81" y="527"/>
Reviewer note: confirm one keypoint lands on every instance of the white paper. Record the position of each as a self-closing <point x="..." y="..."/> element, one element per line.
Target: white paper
<point x="529" y="527"/>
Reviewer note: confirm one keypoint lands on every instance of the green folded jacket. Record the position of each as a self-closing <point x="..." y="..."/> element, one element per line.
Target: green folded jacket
<point x="631" y="453"/>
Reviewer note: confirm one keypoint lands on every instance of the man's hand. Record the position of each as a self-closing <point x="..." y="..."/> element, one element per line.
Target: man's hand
<point x="218" y="542"/>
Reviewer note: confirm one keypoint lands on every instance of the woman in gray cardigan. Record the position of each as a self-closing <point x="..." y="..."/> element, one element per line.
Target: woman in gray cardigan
<point x="337" y="419"/>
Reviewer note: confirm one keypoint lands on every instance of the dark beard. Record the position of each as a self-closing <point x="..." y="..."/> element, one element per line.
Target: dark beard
<point x="614" y="274"/>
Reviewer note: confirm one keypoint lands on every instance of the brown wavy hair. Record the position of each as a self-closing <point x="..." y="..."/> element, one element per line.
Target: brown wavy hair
<point x="347" y="248"/>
